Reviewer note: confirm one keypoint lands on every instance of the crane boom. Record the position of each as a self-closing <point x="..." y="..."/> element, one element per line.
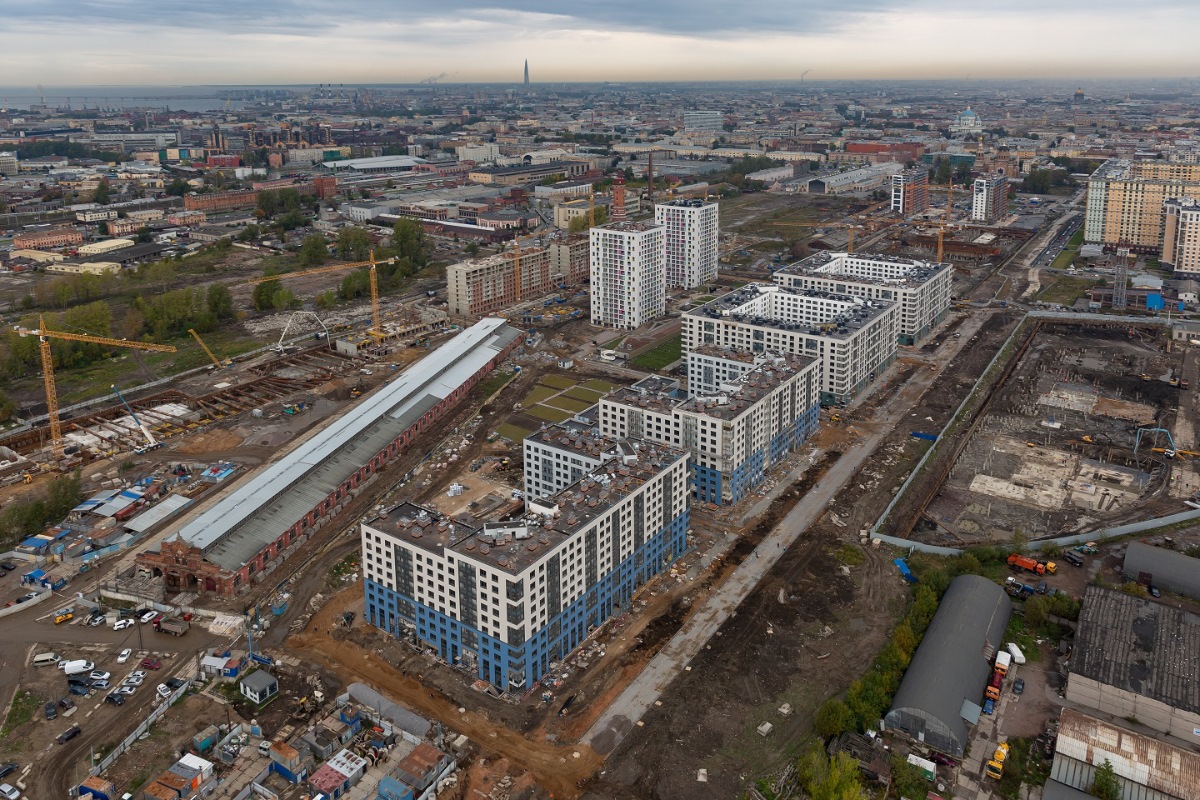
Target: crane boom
<point x="44" y="337"/>
<point x="376" y="316"/>
<point x="216" y="361"/>
<point x="151" y="442"/>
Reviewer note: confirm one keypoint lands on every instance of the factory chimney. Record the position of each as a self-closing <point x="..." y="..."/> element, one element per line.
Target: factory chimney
<point x="618" y="203"/>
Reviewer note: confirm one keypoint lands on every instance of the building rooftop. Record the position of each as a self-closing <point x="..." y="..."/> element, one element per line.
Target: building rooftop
<point x="733" y="399"/>
<point x="629" y="227"/>
<point x="575" y="436"/>
<point x="752" y="305"/>
<point x="908" y="272"/>
<point x="235" y="528"/>
<point x="1140" y="646"/>
<point x="513" y="546"/>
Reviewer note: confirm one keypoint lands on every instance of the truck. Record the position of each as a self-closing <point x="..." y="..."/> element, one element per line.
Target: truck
<point x="995" y="767"/>
<point x="173" y="625"/>
<point x="1017" y="656"/>
<point x="1003" y="662"/>
<point x="1018" y="561"/>
<point x="992" y="692"/>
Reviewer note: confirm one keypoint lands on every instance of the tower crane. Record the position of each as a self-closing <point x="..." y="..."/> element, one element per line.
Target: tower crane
<point x="44" y="337"/>
<point x="850" y="228"/>
<point x="376" y="317"/>
<point x="218" y="363"/>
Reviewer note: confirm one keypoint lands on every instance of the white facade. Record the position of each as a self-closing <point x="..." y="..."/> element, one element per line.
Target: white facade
<point x="629" y="274"/>
<point x="8" y="163"/>
<point x="691" y="239"/>
<point x="479" y="153"/>
<point x="559" y="455"/>
<point x="706" y="121"/>
<point x="1181" y="236"/>
<point x="922" y="289"/>
<point x="862" y="179"/>
<point x="989" y="200"/>
<point x="854" y="338"/>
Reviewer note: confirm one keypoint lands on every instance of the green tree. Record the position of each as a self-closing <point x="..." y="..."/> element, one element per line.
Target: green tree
<point x="178" y="187"/>
<point x="472" y="249"/>
<point x="143" y="236"/>
<point x="907" y="779"/>
<point x="7" y="408"/>
<point x="825" y="778"/>
<point x="354" y="244"/>
<point x="408" y="241"/>
<point x="580" y="224"/>
<point x="249" y="233"/>
<point x="313" y="250"/>
<point x="220" y="302"/>
<point x="833" y="718"/>
<point x="264" y="293"/>
<point x="943" y="171"/>
<point x="1105" y="784"/>
<point x="325" y="300"/>
<point x="103" y="193"/>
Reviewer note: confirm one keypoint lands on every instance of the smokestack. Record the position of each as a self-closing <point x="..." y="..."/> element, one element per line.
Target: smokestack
<point x="618" y="203"/>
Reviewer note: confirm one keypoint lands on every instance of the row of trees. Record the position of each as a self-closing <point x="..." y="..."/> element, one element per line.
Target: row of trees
<point x="30" y="515"/>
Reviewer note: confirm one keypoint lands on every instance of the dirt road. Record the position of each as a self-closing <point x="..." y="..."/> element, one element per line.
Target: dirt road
<point x="556" y="768"/>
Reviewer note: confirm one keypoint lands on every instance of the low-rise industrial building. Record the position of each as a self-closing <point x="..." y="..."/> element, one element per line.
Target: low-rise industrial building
<point x="1134" y="657"/>
<point x="939" y="697"/>
<point x="853" y="337"/>
<point x="506" y="600"/>
<point x="1145" y="768"/>
<point x="922" y="289"/>
<point x="734" y="434"/>
<point x="246" y="533"/>
<point x="49" y="239"/>
<point x="1162" y="568"/>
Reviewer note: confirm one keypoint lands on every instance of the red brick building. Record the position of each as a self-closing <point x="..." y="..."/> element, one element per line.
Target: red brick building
<point x="221" y="201"/>
<point x="48" y="239"/>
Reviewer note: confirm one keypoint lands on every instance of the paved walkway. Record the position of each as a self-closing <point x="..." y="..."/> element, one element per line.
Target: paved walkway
<point x="623" y="714"/>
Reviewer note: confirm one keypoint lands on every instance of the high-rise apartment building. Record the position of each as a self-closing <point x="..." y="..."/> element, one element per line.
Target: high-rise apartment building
<point x="8" y="164"/>
<point x="854" y="338"/>
<point x="691" y="239"/>
<point x="989" y="199"/>
<point x="479" y="286"/>
<point x="508" y="599"/>
<point x="1126" y="201"/>
<point x="629" y="273"/>
<point x="922" y="289"/>
<point x="910" y="191"/>
<point x="1181" y="237"/>
<point x="703" y="121"/>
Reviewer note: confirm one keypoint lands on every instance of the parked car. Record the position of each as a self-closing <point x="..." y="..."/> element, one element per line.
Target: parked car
<point x="126" y="690"/>
<point x="100" y="675"/>
<point x="122" y="624"/>
<point x="69" y="734"/>
<point x="140" y="675"/>
<point x="1154" y="592"/>
<point x="8" y="769"/>
<point x="149" y="615"/>
<point x="1041" y="587"/>
<point x="66" y="704"/>
<point x="8" y="565"/>
<point x="51" y="711"/>
<point x="82" y="691"/>
<point x="151" y="663"/>
<point x="116" y="698"/>
<point x="132" y="680"/>
<point x="124" y="656"/>
<point x="175" y="683"/>
<point x="1018" y="686"/>
<point x="25" y="598"/>
<point x="989" y="706"/>
<point x="96" y="621"/>
<point x="9" y="792"/>
<point x="164" y="690"/>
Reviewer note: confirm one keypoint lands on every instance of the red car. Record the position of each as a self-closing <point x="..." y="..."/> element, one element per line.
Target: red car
<point x="151" y="663"/>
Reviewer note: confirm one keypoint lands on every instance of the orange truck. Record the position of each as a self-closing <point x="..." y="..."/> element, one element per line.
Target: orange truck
<point x="1018" y="561"/>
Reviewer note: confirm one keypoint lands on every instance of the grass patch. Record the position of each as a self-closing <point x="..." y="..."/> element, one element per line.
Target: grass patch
<point x="850" y="555"/>
<point x="666" y="353"/>
<point x="24" y="706"/>
<point x="612" y="345"/>
<point x="1064" y="259"/>
<point x="495" y="383"/>
<point x="587" y="395"/>
<point x="1076" y="239"/>
<point x="569" y="404"/>
<point x="558" y="381"/>
<point x="514" y="433"/>
<point x="539" y="394"/>
<point x="1065" y="290"/>
<point x="597" y="385"/>
<point x="550" y="414"/>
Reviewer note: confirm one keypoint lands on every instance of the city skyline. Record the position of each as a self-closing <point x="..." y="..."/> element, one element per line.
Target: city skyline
<point x="471" y="41"/>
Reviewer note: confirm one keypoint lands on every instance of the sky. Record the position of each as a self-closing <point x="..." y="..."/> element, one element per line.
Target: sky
<point x="171" y="42"/>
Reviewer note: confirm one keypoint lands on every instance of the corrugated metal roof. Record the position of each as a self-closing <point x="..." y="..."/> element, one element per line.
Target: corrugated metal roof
<point x="952" y="663"/>
<point x="1140" y="646"/>
<point x="156" y="514"/>
<point x="399" y="715"/>
<point x="1149" y="769"/>
<point x="1168" y="569"/>
<point x="238" y="526"/>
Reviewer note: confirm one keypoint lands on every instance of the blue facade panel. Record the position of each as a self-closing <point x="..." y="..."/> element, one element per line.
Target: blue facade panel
<point x="510" y="667"/>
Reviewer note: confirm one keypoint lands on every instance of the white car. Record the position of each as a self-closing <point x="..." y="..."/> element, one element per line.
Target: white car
<point x="133" y="680"/>
<point x="149" y="615"/>
<point x="140" y="674"/>
<point x="164" y="691"/>
<point x="127" y="691"/>
<point x="99" y="675"/>
<point x="125" y="654"/>
<point x="9" y="792"/>
<point x="122" y="624"/>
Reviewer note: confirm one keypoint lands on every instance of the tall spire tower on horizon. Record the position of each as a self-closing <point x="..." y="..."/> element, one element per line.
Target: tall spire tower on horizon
<point x="527" y="72"/>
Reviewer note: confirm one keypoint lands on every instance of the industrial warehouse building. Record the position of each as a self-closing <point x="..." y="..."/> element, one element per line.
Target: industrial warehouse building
<point x="1137" y="658"/>
<point x="245" y="534"/>
<point x="920" y="288"/>
<point x="506" y="600"/>
<point x="940" y="695"/>
<point x="1162" y="568"/>
<point x="1145" y="768"/>
<point x="853" y="337"/>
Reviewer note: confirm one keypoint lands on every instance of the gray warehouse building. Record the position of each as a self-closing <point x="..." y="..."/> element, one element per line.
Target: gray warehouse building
<point x="1163" y="568"/>
<point x="1137" y="658"/>
<point x="938" y="700"/>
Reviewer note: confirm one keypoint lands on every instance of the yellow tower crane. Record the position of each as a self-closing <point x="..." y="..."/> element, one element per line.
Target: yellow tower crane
<point x="376" y="317"/>
<point x="44" y="337"/>
<point x="218" y="363"/>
